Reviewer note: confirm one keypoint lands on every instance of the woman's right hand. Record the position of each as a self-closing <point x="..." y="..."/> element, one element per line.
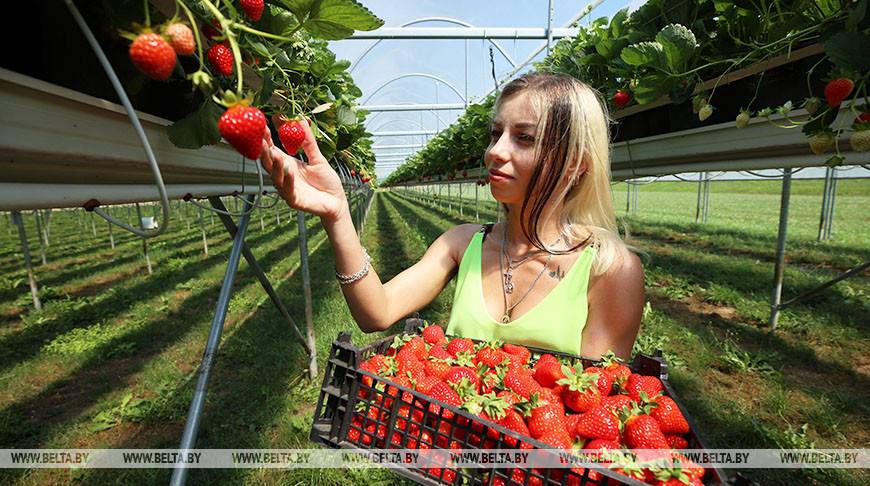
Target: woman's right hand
<point x="313" y="187"/>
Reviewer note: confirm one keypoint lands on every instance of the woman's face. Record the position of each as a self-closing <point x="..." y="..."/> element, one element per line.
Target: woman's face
<point x="510" y="157"/>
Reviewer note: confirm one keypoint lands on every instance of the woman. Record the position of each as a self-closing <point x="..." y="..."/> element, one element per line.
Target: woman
<point x="554" y="275"/>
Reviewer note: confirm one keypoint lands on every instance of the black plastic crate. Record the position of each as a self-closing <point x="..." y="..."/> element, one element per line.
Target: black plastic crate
<point x="405" y="417"/>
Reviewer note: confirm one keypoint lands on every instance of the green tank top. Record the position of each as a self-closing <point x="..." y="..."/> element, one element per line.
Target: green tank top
<point x="555" y="323"/>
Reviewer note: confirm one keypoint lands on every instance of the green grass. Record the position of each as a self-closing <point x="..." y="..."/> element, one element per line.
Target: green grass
<point x="111" y="359"/>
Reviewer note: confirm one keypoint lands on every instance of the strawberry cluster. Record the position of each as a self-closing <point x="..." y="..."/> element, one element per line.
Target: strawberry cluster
<point x="599" y="408"/>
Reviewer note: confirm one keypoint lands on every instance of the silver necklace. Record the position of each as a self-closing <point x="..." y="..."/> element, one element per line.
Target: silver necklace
<point x="507" y="277"/>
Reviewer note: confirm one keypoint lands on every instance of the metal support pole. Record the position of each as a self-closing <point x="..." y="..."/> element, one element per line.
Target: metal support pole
<point x="779" y="268"/>
<point x="698" y="202"/>
<point x="831" y="205"/>
<point x="202" y="230"/>
<point x="194" y="413"/>
<point x="258" y="272"/>
<point x="826" y="194"/>
<point x="707" y="183"/>
<point x="144" y="240"/>
<point x="449" y="201"/>
<point x="460" y="199"/>
<point x="38" y="219"/>
<point x="111" y="235"/>
<point x="46" y="227"/>
<point x="31" y="278"/>
<point x="634" y="198"/>
<point x="549" y="26"/>
<point x="306" y="291"/>
<point x="93" y="225"/>
<point x="627" y="197"/>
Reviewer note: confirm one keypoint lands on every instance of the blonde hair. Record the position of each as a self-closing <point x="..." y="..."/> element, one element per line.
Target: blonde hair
<point x="572" y="130"/>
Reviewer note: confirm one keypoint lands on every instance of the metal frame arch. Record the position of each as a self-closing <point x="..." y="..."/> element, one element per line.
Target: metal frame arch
<point x="432" y="19"/>
<point x="430" y="111"/>
<point x="415" y="75"/>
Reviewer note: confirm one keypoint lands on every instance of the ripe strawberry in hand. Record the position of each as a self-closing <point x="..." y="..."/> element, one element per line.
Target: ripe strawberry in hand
<point x="181" y="38"/>
<point x="292" y="135"/>
<point x="243" y="126"/>
<point x="153" y="56"/>
<point x="221" y="59"/>
<point x="253" y="8"/>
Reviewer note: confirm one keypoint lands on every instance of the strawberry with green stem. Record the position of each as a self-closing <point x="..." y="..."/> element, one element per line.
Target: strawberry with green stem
<point x="581" y="391"/>
<point x="242" y="125"/>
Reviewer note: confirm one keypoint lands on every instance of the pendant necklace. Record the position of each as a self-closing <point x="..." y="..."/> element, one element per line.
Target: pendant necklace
<point x="507" y="277"/>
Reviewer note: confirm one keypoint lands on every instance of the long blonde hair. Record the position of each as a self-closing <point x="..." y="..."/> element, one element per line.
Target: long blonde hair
<point x="573" y="130"/>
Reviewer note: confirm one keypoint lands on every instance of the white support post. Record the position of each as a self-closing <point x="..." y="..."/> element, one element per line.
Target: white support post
<point x="31" y="278"/>
<point x="38" y="219"/>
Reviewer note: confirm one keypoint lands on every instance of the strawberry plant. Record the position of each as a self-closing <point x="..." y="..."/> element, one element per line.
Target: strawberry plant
<point x="256" y="60"/>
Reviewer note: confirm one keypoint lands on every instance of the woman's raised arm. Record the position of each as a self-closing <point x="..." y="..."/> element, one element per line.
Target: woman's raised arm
<point x="316" y="188"/>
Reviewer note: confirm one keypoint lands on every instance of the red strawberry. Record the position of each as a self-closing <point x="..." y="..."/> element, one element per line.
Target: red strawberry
<point x="221" y="59"/>
<point x="611" y="364"/>
<point x="459" y="345"/>
<point x="546" y="418"/>
<point x="605" y="380"/>
<point x="673" y="476"/>
<point x="437" y="368"/>
<point x="621" y="98"/>
<point x="253" y="8"/>
<point x="643" y="432"/>
<point x="457" y="373"/>
<point x="558" y="439"/>
<point x="243" y="126"/>
<point x="442" y="391"/>
<point x="669" y="416"/>
<point x="545" y="358"/>
<point x="837" y="90"/>
<point x="616" y="402"/>
<point x="418" y="346"/>
<point x="432" y="334"/>
<point x="548" y="372"/>
<point x="353" y="432"/>
<point x="181" y="38"/>
<point x="693" y="470"/>
<point x="489" y="356"/>
<point x="650" y="385"/>
<point x="153" y="56"/>
<point x="571" y="423"/>
<point x="677" y="442"/>
<point x="292" y="135"/>
<point x="438" y="351"/>
<point x="598" y="423"/>
<point x="581" y="390"/>
<point x="520" y="352"/>
<point x="519" y="383"/>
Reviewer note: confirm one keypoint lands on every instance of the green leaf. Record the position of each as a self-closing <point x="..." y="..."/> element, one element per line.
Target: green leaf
<point x="650" y="88"/>
<point x="644" y="53"/>
<point x="678" y="43"/>
<point x="346" y="116"/>
<point x="849" y="51"/>
<point x="610" y="48"/>
<point x="338" y="19"/>
<point x="282" y="21"/>
<point x="617" y="23"/>
<point x="197" y="129"/>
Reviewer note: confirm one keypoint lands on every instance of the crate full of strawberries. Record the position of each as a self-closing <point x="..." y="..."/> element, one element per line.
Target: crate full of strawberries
<point x="425" y="391"/>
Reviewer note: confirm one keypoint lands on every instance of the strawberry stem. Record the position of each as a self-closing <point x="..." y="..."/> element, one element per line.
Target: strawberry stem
<point x="147" y="14"/>
<point x="231" y="37"/>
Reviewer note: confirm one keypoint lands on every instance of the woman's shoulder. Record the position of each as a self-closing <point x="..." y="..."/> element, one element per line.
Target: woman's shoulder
<point x="624" y="271"/>
<point x="458" y="237"/>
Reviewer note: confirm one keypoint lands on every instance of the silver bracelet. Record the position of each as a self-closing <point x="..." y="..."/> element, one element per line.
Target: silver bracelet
<point x="347" y="279"/>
